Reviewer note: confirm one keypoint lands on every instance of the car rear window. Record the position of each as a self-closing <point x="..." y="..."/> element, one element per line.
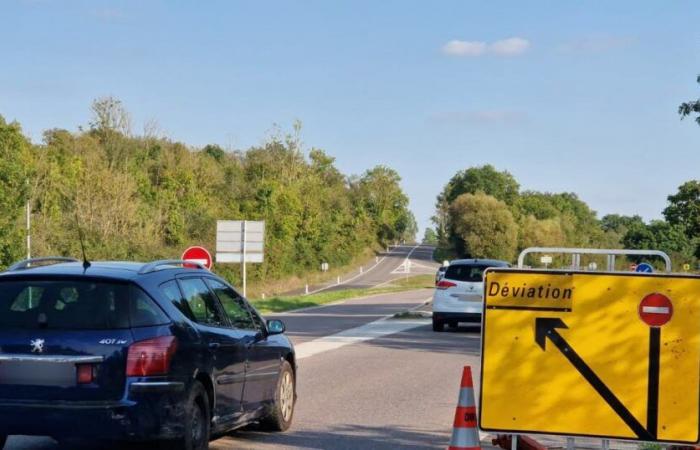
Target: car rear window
<point x="466" y="272"/>
<point x="75" y="305"/>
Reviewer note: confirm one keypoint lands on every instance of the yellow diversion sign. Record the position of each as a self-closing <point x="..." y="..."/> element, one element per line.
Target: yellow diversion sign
<point x="579" y="353"/>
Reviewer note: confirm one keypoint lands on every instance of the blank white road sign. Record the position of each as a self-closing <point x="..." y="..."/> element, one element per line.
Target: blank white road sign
<point x="239" y="241"/>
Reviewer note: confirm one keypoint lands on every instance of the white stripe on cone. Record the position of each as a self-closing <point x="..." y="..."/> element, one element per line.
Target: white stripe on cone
<point x="656" y="309"/>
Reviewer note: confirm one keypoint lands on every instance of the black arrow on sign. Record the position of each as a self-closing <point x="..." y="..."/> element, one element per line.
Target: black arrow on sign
<point x="546" y="327"/>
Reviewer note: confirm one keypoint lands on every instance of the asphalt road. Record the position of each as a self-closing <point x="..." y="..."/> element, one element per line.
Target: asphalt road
<point x="400" y="261"/>
<point x="363" y="382"/>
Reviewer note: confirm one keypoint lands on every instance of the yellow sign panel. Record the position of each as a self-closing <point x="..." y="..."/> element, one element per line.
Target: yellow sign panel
<point x="591" y="354"/>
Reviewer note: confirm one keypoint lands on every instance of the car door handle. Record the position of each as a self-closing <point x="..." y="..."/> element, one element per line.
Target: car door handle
<point x="214" y="346"/>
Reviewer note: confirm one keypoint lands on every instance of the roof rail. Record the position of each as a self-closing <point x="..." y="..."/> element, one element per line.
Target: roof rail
<point x="28" y="263"/>
<point x="155" y="265"/>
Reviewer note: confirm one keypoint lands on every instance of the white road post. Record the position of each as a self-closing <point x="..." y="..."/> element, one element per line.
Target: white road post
<point x="569" y="443"/>
<point x="243" y="260"/>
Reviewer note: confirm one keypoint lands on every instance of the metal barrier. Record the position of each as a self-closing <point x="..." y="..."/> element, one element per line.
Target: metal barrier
<point x="609" y="252"/>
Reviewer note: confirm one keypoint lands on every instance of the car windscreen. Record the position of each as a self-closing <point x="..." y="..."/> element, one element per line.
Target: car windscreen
<point x="466" y="272"/>
<point x="75" y="305"/>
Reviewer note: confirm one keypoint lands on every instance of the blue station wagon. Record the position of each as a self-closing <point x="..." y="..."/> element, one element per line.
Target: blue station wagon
<point x="164" y="351"/>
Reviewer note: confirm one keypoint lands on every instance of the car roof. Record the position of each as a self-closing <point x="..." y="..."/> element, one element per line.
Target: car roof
<point x="485" y="262"/>
<point x="118" y="270"/>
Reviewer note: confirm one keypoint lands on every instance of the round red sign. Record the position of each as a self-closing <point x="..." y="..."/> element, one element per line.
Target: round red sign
<point x="199" y="255"/>
<point x="655" y="310"/>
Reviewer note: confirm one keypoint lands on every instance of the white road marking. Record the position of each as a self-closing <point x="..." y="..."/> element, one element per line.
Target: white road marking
<point x="352" y="278"/>
<point x="656" y="309"/>
<point x="372" y="330"/>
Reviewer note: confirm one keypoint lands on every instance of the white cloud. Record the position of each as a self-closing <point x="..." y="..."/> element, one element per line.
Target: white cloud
<point x="510" y="47"/>
<point x="464" y="48"/>
<point x="505" y="47"/>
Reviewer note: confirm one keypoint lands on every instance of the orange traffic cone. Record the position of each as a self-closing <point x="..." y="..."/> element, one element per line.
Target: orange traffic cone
<point x="465" y="435"/>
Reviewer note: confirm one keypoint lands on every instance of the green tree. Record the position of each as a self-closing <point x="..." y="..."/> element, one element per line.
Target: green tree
<point x="660" y="235"/>
<point x="486" y="179"/>
<point x="380" y="193"/>
<point x="430" y="236"/>
<point x="690" y="107"/>
<point x="485" y="225"/>
<point x="619" y="223"/>
<point x="15" y="165"/>
<point x="147" y="197"/>
<point x="684" y="207"/>
<point x="541" y="233"/>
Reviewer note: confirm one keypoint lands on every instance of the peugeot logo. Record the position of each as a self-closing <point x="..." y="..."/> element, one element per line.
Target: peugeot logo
<point x="37" y="345"/>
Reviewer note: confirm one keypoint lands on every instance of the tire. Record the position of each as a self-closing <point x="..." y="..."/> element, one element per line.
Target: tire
<point x="280" y="413"/>
<point x="438" y="325"/>
<point x="454" y="324"/>
<point x="3" y="440"/>
<point x="197" y="421"/>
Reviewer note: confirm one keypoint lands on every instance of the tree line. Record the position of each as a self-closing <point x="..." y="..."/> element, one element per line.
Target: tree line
<point x="147" y="197"/>
<point x="482" y="213"/>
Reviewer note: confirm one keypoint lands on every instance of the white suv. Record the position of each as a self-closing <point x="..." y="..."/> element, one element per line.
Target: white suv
<point x="459" y="295"/>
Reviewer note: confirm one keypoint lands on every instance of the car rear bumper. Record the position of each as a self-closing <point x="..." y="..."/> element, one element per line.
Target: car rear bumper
<point x="152" y="411"/>
<point x="457" y="317"/>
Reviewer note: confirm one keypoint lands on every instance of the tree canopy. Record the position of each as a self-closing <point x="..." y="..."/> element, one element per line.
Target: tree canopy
<point x="544" y="219"/>
<point x="146" y="197"/>
<point x="485" y="226"/>
<point x="690" y="107"/>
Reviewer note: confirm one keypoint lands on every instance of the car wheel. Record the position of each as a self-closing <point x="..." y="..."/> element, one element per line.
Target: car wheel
<point x="438" y="325"/>
<point x="280" y="413"/>
<point x="197" y="421"/>
<point x="454" y="324"/>
<point x="3" y="439"/>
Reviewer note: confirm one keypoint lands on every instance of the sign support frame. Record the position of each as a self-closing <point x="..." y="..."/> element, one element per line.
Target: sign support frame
<point x="610" y="252"/>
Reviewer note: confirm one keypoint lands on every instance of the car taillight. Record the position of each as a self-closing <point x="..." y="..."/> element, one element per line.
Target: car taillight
<point x="444" y="284"/>
<point x="150" y="357"/>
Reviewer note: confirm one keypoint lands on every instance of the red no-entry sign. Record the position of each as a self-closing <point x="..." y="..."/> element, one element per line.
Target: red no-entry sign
<point x="199" y="255"/>
<point x="655" y="310"/>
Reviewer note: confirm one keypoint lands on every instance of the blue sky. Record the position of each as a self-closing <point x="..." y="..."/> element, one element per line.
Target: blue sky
<point x="567" y="96"/>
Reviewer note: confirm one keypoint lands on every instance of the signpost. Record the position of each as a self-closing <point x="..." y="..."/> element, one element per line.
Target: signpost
<point x="240" y="241"/>
<point x="199" y="255"/>
<point x="546" y="260"/>
<point x="644" y="268"/>
<point x="610" y="355"/>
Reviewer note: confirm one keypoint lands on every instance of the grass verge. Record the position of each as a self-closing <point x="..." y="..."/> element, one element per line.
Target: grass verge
<point x="281" y="304"/>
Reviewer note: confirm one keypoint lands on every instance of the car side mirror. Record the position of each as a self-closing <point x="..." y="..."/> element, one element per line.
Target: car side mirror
<point x="275" y="326"/>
